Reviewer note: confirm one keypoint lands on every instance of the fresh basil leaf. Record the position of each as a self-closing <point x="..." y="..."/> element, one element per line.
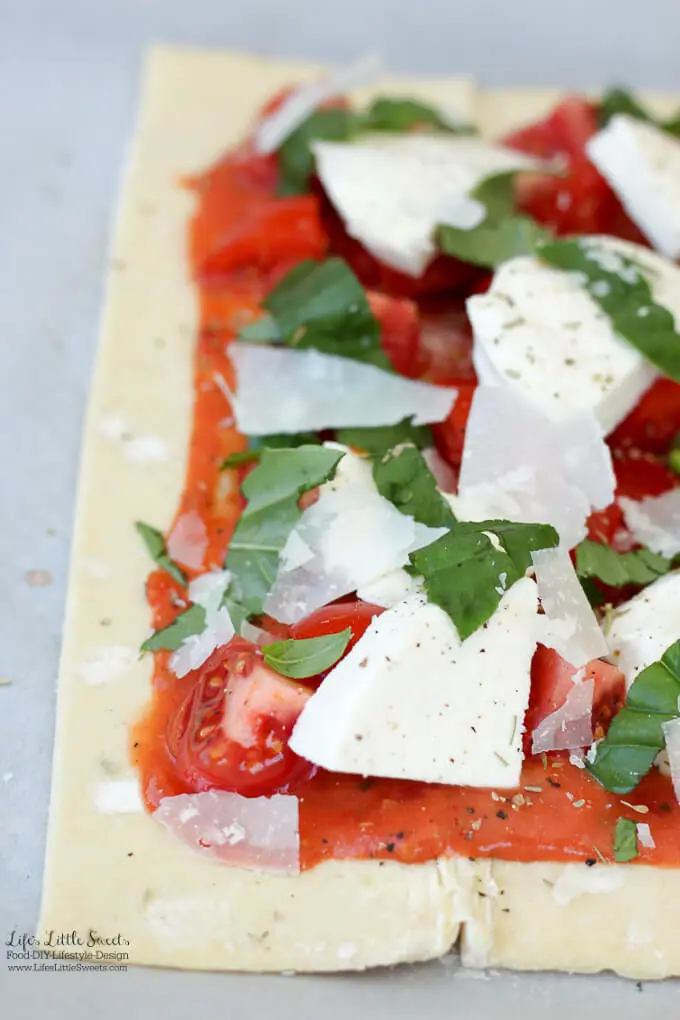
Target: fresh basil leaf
<point x="323" y="305"/>
<point x="502" y="234"/>
<point x="155" y="544"/>
<point x="391" y="113"/>
<point x="307" y="656"/>
<point x="403" y="477"/>
<point x="272" y="491"/>
<point x="264" y="330"/>
<point x="640" y="566"/>
<point x="635" y="735"/>
<point x="466" y="574"/>
<point x="296" y="160"/>
<point x="277" y="441"/>
<point x="624" y="294"/>
<point x="625" y="840"/>
<point x="617" y="100"/>
<point x="384" y="437"/>
<point x="191" y="621"/>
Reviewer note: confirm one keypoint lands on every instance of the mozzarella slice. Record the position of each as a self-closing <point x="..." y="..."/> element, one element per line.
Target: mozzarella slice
<point x="303" y="101"/>
<point x="353" y="537"/>
<point x="538" y="331"/>
<point x="392" y="190"/>
<point x="520" y="466"/>
<point x="671" y="732"/>
<point x="411" y="701"/>
<point x="569" y="624"/>
<point x="642" y="164"/>
<point x="644" y="627"/>
<point x="655" y="521"/>
<point x="286" y="390"/>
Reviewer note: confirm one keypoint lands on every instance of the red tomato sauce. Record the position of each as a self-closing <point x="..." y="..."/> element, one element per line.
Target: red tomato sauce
<point x="242" y="240"/>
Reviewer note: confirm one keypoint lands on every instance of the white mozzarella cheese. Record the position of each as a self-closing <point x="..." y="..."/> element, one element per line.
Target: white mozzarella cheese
<point x="348" y="539"/>
<point x="411" y="701"/>
<point x="392" y="190"/>
<point x="569" y="624"/>
<point x="644" y="627"/>
<point x="642" y="164"/>
<point x="538" y="331"/>
<point x="655" y="521"/>
<point x="519" y="465"/>
<point x="286" y="390"/>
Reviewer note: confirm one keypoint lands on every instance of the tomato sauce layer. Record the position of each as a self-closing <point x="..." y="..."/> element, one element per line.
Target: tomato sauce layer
<point x="242" y="240"/>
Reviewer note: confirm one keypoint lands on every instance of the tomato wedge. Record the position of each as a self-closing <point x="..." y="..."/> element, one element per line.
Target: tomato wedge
<point x="231" y="732"/>
<point x="399" y="330"/>
<point x="551" y="682"/>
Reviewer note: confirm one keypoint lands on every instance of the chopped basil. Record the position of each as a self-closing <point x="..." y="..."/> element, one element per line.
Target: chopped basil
<point x="635" y="735"/>
<point x="272" y="491"/>
<point x="617" y="100"/>
<point x="403" y="477"/>
<point x="501" y="235"/>
<point x="322" y="305"/>
<point x="384" y="437"/>
<point x="640" y="566"/>
<point x="624" y="294"/>
<point x="191" y="621"/>
<point x="467" y="574"/>
<point x="155" y="544"/>
<point x="625" y="840"/>
<point x="307" y="656"/>
<point x="296" y="160"/>
<point x="391" y="113"/>
<point x="277" y="441"/>
<point x="674" y="454"/>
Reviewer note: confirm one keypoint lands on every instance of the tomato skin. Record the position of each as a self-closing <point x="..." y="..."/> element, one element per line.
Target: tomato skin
<point x="332" y="619"/>
<point x="551" y="681"/>
<point x="399" y="331"/>
<point x="449" y="435"/>
<point x="200" y="735"/>
<point x="242" y="224"/>
<point x="580" y="200"/>
<point x="654" y="422"/>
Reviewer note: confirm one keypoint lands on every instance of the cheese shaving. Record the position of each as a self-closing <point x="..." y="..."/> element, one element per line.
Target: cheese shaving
<point x="569" y="624"/>
<point x="655" y="521"/>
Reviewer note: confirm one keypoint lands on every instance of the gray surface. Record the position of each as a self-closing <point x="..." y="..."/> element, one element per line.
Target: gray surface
<point x="68" y="74"/>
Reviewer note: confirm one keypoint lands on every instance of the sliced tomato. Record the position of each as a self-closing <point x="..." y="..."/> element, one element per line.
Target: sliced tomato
<point x="654" y="423"/>
<point x="231" y="732"/>
<point x="356" y="615"/>
<point x="399" y="330"/>
<point x="637" y="475"/>
<point x="242" y="223"/>
<point x="551" y="681"/>
<point x="579" y="200"/>
<point x="446" y="341"/>
<point x="449" y="435"/>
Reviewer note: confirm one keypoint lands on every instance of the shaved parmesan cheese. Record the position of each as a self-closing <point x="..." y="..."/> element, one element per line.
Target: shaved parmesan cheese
<point x="538" y="331"/>
<point x="413" y="701"/>
<point x="188" y="540"/>
<point x="569" y="624"/>
<point x="642" y="164"/>
<point x="444" y="475"/>
<point x="655" y="521"/>
<point x="570" y="726"/>
<point x="352" y="536"/>
<point x="644" y="834"/>
<point x="520" y="466"/>
<point x="107" y="663"/>
<point x="578" y="880"/>
<point x="390" y="589"/>
<point x="286" y="390"/>
<point x="207" y="591"/>
<point x="118" y="797"/>
<point x="644" y="627"/>
<point x="392" y="190"/>
<point x="261" y="833"/>
<point x="671" y="732"/>
<point x="304" y="100"/>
